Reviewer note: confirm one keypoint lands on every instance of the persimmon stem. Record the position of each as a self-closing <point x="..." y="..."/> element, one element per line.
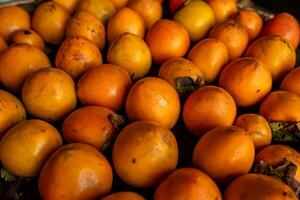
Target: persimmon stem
<point x="186" y="85"/>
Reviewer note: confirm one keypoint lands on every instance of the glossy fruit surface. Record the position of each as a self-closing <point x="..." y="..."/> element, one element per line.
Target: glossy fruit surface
<point x="291" y="81"/>
<point x="28" y="37"/>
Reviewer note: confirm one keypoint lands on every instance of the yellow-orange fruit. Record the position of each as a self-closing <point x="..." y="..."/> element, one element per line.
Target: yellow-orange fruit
<point x="28" y="37"/>
<point x="291" y="81"/>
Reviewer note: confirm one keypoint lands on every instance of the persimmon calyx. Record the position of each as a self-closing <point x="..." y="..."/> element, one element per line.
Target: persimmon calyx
<point x="285" y="132"/>
<point x="117" y="120"/>
<point x="186" y="85"/>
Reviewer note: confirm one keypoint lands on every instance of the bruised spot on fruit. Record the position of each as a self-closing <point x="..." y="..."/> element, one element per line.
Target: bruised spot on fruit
<point x="26" y="32"/>
<point x="133" y="160"/>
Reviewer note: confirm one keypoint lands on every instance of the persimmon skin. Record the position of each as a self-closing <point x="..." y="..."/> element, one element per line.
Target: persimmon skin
<point x="210" y="55"/>
<point x="119" y="3"/>
<point x="3" y="45"/>
<point x="233" y="35"/>
<point x="95" y="130"/>
<point x="223" y="9"/>
<point x="144" y="152"/>
<point x="76" y="55"/>
<point x="69" y="5"/>
<point x="277" y="55"/>
<point x="224" y="153"/>
<point x="124" y="196"/>
<point x="125" y="20"/>
<point x="207" y="108"/>
<point x="13" y="18"/>
<point x="251" y="20"/>
<point x="167" y="39"/>
<point x="284" y="25"/>
<point x="18" y="62"/>
<point x="187" y="183"/>
<point x="28" y="37"/>
<point x="31" y="142"/>
<point x="247" y="80"/>
<point x="75" y="171"/>
<point x="275" y="154"/>
<point x="153" y="99"/>
<point x="291" y="81"/>
<point x="258" y="186"/>
<point x="112" y="80"/>
<point x="281" y="106"/>
<point x="43" y="18"/>
<point x="257" y="127"/>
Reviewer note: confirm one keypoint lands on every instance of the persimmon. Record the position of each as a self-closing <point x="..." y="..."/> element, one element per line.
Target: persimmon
<point x="28" y="37"/>
<point x="291" y="81"/>
<point x="30" y="142"/>
<point x="119" y="3"/>
<point x="223" y="9"/>
<point x="233" y="35"/>
<point x="76" y="55"/>
<point x="257" y="127"/>
<point x="176" y="70"/>
<point x="125" y="20"/>
<point x="75" y="171"/>
<point x="3" y="45"/>
<point x="132" y="53"/>
<point x="150" y="10"/>
<point x="251" y="20"/>
<point x="86" y="25"/>
<point x="103" y="9"/>
<point x="197" y="23"/>
<point x="153" y="99"/>
<point x="276" y="154"/>
<point x="43" y="18"/>
<point x="49" y="94"/>
<point x="207" y="108"/>
<point x="210" y="55"/>
<point x="247" y="80"/>
<point x="258" y="186"/>
<point x="144" y="152"/>
<point x="167" y="39"/>
<point x="224" y="153"/>
<point x="69" y="5"/>
<point x="12" y="111"/>
<point x="105" y="85"/>
<point x="124" y="196"/>
<point x="95" y="130"/>
<point x="281" y="106"/>
<point x="277" y="55"/>
<point x="18" y="62"/>
<point x="13" y="18"/>
<point x="175" y="5"/>
<point x="187" y="183"/>
<point x="284" y="25"/>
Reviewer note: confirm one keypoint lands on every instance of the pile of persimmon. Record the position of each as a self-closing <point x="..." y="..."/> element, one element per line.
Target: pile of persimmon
<point x="127" y="100"/>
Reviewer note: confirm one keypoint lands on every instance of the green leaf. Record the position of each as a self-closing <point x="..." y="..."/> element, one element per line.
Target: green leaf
<point x="285" y="132"/>
<point x="7" y="176"/>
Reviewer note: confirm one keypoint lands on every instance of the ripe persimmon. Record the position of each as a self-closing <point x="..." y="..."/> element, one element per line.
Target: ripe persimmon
<point x="251" y="20"/>
<point x="223" y="9"/>
<point x="257" y="127"/>
<point x="105" y="85"/>
<point x="144" y="152"/>
<point x="153" y="99"/>
<point x="247" y="81"/>
<point x="210" y="55"/>
<point x="90" y="125"/>
<point x="123" y="21"/>
<point x="124" y="196"/>
<point x="224" y="153"/>
<point x="207" y="108"/>
<point x="43" y="18"/>
<point x="76" y="55"/>
<point x="167" y="39"/>
<point x="28" y="37"/>
<point x="49" y="94"/>
<point x="75" y="171"/>
<point x="132" y="53"/>
<point x="187" y="183"/>
<point x="3" y="44"/>
<point x="69" y="5"/>
<point x="119" y="3"/>
<point x="13" y="18"/>
<point x="277" y="55"/>
<point x="258" y="186"/>
<point x="150" y="10"/>
<point x="18" y="62"/>
<point x="86" y="25"/>
<point x="31" y="142"/>
<point x="233" y="35"/>
<point x="281" y="106"/>
<point x="291" y="81"/>
<point x="12" y="111"/>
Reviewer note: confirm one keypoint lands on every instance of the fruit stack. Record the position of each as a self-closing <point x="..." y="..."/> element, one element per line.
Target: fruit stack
<point x="148" y="99"/>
